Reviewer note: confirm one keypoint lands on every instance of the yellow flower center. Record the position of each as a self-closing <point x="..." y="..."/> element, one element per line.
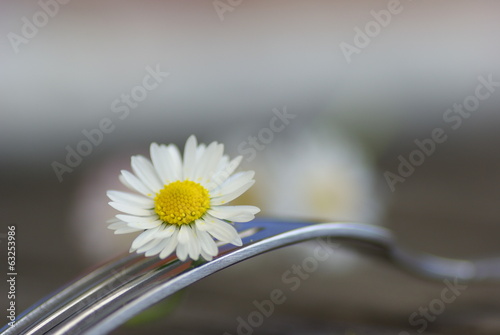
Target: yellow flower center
<point x="182" y="202"/>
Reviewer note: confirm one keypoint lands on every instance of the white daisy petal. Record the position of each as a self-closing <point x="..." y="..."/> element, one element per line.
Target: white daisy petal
<point x="224" y="161"/>
<point x="160" y="158"/>
<point x="232" y="165"/>
<point x="223" y="172"/>
<point x="221" y="230"/>
<point x="208" y="162"/>
<point x="126" y="183"/>
<point x="237" y="241"/>
<point x="202" y="156"/>
<point x="182" y="251"/>
<point x="207" y="243"/>
<point x="145" y="237"/>
<point x="201" y="225"/>
<point x="135" y="184"/>
<point x="183" y="236"/>
<point x="200" y="151"/>
<point x="193" y="244"/>
<point x="206" y="256"/>
<point x="194" y="249"/>
<point x="214" y="162"/>
<point x="170" y="246"/>
<point x="234" y="213"/>
<point x="153" y="247"/>
<point x="121" y="227"/>
<point x="145" y="225"/>
<point x="224" y="199"/>
<point x="138" y="219"/>
<point x="189" y="158"/>
<point x="126" y="230"/>
<point x="176" y="162"/>
<point x="131" y="199"/>
<point x="243" y="217"/>
<point x="233" y="183"/>
<point x="157" y="248"/>
<point x="166" y="231"/>
<point x="146" y="172"/>
<point x="117" y="225"/>
<point x="146" y="247"/>
<point x="134" y="210"/>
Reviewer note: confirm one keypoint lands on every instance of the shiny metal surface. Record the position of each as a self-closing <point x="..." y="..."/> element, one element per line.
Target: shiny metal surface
<point x="111" y="294"/>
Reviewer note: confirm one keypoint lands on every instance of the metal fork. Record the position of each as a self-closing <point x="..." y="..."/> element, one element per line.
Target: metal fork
<point x="111" y="294"/>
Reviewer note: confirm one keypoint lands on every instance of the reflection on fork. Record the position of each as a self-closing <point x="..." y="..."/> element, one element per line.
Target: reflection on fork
<point x="111" y="294"/>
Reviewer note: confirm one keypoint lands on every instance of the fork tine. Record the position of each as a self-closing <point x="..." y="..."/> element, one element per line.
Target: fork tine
<point x="150" y="288"/>
<point x="53" y="306"/>
<point x="92" y="287"/>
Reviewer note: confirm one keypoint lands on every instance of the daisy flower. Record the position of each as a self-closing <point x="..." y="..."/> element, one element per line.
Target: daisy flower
<point x="180" y="202"/>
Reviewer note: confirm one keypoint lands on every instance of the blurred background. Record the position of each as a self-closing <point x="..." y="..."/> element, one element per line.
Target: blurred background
<point x="324" y="99"/>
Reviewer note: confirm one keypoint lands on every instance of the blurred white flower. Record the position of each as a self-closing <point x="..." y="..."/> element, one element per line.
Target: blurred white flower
<point x="318" y="174"/>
